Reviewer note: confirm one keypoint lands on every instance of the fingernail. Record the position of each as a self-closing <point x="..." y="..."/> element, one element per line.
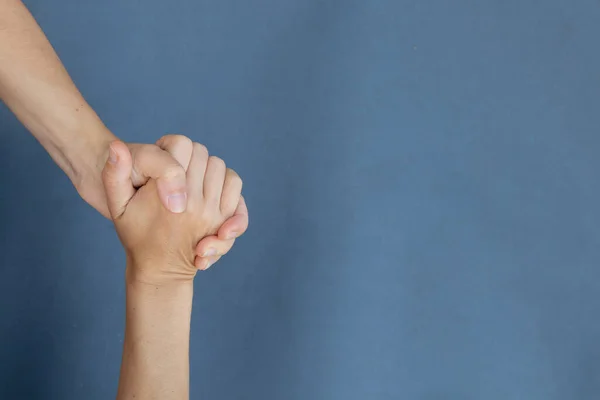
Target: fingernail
<point x="210" y="252"/>
<point x="232" y="235"/>
<point x="112" y="155"/>
<point x="209" y="264"/>
<point x="177" y="202"/>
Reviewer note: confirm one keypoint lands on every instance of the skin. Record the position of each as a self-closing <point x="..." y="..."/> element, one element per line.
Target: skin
<point x="160" y="250"/>
<point x="37" y="88"/>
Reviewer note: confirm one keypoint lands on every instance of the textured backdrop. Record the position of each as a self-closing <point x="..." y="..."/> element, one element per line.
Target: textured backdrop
<point x="422" y="178"/>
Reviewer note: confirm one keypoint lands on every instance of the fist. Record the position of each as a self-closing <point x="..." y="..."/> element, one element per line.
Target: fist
<point x="160" y="245"/>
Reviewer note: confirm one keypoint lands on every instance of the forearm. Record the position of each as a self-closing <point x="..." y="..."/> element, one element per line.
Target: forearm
<point x="156" y="350"/>
<point x="37" y="88"/>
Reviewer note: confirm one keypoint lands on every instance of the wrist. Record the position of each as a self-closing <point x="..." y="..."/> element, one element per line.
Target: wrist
<point x="156" y="346"/>
<point x="151" y="273"/>
<point x="88" y="156"/>
<point x="72" y="133"/>
<point x="177" y="293"/>
<point x="169" y="305"/>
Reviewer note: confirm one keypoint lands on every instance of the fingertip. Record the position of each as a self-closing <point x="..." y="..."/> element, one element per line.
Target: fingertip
<point x="113" y="157"/>
<point x="118" y="163"/>
<point x="233" y="228"/>
<point x="118" y="146"/>
<point x="199" y="263"/>
<point x="118" y="154"/>
<point x="205" y="244"/>
<point x="203" y="264"/>
<point x="232" y="235"/>
<point x="116" y="178"/>
<point x="210" y="262"/>
<point x="242" y="206"/>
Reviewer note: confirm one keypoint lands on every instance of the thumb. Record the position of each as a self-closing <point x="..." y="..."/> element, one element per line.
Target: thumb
<point x="116" y="177"/>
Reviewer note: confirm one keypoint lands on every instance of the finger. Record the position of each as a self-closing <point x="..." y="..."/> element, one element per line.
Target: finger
<point x="116" y="177"/>
<point x="196" y="171"/>
<point x="211" y="246"/>
<point x="214" y="179"/>
<point x="179" y="147"/>
<point x="235" y="226"/>
<point x="232" y="190"/>
<point x="205" y="263"/>
<point x="152" y="162"/>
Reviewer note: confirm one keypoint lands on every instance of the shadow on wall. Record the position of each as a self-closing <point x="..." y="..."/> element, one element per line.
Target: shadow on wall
<point x="33" y="310"/>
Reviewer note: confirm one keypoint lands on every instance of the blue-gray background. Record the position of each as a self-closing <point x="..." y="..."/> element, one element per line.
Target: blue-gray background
<point x="422" y="180"/>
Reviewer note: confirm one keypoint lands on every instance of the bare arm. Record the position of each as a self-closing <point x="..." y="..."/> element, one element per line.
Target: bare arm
<point x="37" y="88"/>
<point x="35" y="85"/>
<point x="161" y="268"/>
<point x="156" y="350"/>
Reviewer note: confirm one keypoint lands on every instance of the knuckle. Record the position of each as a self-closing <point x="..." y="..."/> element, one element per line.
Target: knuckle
<point x="173" y="171"/>
<point x="145" y="149"/>
<point x="227" y="209"/>
<point x="181" y="140"/>
<point x="164" y="139"/>
<point x="161" y="140"/>
<point x="173" y="140"/>
<point x="146" y="152"/>
<point x="237" y="178"/>
<point x="232" y="174"/>
<point x="228" y="205"/>
<point x="234" y="179"/>
<point x="217" y="162"/>
<point x="200" y="149"/>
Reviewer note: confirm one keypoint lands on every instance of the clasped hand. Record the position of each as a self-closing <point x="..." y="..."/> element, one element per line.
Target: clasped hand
<point x="161" y="245"/>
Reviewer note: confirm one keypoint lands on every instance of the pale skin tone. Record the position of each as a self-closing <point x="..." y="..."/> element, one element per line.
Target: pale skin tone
<point x="37" y="88"/>
<point x="175" y="209"/>
<point x="160" y="250"/>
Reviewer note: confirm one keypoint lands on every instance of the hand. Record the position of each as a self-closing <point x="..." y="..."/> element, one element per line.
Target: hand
<point x="164" y="162"/>
<point x="160" y="245"/>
